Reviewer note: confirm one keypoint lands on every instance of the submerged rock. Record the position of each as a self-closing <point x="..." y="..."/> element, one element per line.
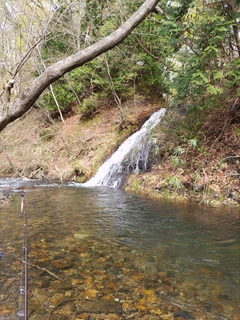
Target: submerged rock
<point x="62" y="264"/>
<point x="80" y="236"/>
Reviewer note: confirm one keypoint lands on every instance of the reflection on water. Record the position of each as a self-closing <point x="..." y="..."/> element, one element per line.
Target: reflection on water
<point x="104" y="251"/>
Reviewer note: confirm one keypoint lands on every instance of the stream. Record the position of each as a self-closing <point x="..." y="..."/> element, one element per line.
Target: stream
<point x="102" y="253"/>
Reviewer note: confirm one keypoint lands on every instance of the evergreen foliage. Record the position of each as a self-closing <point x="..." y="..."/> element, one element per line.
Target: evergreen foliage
<point x="188" y="52"/>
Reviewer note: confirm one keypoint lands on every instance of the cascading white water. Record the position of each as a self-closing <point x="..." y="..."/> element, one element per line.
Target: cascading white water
<point x="111" y="173"/>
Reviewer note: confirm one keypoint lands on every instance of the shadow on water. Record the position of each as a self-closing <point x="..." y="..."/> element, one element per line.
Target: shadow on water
<point x="144" y="256"/>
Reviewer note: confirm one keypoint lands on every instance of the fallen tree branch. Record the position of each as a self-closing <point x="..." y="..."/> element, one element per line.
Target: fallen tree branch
<point x="230" y="157"/>
<point x="43" y="269"/>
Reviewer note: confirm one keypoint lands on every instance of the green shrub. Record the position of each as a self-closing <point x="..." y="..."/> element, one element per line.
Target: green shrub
<point x="88" y="107"/>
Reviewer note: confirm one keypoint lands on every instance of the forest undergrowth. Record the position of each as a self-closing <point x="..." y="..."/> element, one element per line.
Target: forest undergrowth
<point x="198" y="157"/>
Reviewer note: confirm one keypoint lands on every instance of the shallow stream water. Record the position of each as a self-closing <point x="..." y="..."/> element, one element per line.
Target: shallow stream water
<point x="102" y="253"/>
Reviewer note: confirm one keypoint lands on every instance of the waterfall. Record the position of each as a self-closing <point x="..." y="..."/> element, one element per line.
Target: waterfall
<point x="130" y="157"/>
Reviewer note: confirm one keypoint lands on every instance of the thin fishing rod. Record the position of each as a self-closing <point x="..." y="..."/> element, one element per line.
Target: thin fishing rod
<point x="23" y="210"/>
<point x="24" y="291"/>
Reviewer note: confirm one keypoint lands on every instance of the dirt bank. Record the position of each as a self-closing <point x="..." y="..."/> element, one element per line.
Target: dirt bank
<point x="36" y="146"/>
<point x="205" y="169"/>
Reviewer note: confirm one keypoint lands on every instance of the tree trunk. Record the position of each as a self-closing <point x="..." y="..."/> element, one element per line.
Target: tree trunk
<point x="17" y="108"/>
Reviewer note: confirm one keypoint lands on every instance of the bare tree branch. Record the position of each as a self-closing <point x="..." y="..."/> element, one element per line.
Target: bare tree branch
<point x="17" y="108"/>
<point x="26" y="56"/>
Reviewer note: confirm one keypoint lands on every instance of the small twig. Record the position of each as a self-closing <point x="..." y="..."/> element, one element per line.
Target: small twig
<point x="60" y="173"/>
<point x="225" y="124"/>
<point x="153" y="56"/>
<point x="204" y="186"/>
<point x="51" y="89"/>
<point x="73" y="152"/>
<point x="222" y="131"/>
<point x="27" y="55"/>
<point x="56" y="102"/>
<point x="2" y="92"/>
<point x="43" y="269"/>
<point x="114" y="92"/>
<point x="230" y="157"/>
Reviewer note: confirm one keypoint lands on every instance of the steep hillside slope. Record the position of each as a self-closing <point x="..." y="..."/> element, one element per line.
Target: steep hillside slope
<point x="206" y="168"/>
<point x="35" y="146"/>
<point x="206" y="171"/>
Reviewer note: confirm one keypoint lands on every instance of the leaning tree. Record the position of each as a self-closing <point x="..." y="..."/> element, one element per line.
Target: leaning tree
<point x="11" y="111"/>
